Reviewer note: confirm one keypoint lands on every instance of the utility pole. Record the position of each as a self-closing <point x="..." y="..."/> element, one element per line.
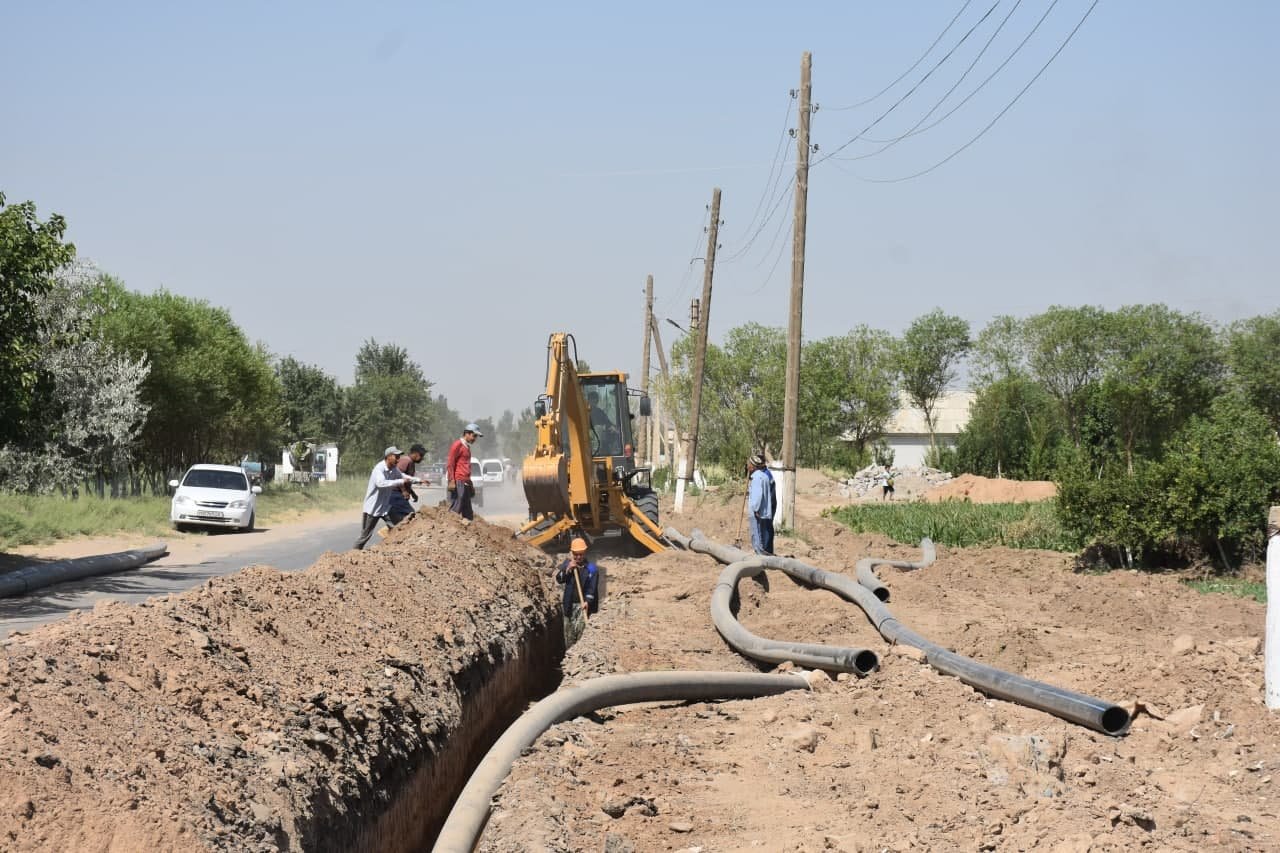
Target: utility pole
<point x="659" y="430"/>
<point x="700" y="352"/>
<point x="642" y="439"/>
<point x="792" y="403"/>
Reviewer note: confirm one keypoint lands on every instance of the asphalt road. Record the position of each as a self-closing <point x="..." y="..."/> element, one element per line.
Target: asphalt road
<point x="172" y="574"/>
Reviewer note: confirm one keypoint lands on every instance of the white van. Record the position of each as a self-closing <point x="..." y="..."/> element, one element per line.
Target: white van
<point x="491" y="470"/>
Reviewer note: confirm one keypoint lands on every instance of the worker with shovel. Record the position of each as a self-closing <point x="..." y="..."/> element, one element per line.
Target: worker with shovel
<point x="580" y="577"/>
<point x="762" y="502"/>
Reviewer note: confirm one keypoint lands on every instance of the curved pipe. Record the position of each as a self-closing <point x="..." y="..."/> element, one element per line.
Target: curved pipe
<point x="860" y="662"/>
<point x="30" y="578"/>
<point x="466" y="821"/>
<point x="1079" y="708"/>
<point x="868" y="578"/>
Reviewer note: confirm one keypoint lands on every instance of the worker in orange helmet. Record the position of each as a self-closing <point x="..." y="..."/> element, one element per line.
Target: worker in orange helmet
<point x="581" y="578"/>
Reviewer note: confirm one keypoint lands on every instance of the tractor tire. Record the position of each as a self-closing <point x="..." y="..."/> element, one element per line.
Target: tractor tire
<point x="646" y="500"/>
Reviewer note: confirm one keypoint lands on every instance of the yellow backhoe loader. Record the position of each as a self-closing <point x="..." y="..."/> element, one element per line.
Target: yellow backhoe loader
<point x="582" y="479"/>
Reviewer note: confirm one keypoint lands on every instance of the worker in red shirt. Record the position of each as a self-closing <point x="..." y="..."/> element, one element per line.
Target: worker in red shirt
<point x="457" y="469"/>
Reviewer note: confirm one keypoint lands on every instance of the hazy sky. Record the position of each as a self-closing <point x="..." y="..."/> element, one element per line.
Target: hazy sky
<point x="464" y="178"/>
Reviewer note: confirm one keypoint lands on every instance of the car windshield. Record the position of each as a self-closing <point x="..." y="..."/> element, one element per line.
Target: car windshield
<point x="475" y="468"/>
<point x="204" y="479"/>
<point x="493" y="467"/>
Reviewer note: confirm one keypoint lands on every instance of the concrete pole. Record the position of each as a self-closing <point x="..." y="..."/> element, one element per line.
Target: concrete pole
<point x="791" y="405"/>
<point x="1271" y="651"/>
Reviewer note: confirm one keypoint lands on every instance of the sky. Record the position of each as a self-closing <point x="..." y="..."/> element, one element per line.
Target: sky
<point x="463" y="179"/>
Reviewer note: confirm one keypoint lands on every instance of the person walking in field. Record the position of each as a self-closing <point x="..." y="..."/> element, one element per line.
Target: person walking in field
<point x="762" y="501"/>
<point x="886" y="484"/>
<point x="457" y="468"/>
<point x="581" y="579"/>
<point x="384" y="481"/>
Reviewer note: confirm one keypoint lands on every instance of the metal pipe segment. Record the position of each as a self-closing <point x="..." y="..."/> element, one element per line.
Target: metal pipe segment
<point x="1088" y="711"/>
<point x="30" y="578"/>
<point x="466" y="821"/>
<point x="868" y="578"/>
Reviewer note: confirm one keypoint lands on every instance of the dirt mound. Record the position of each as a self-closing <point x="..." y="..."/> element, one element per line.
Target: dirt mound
<point x="908" y="759"/>
<point x="269" y="711"/>
<point x="984" y="490"/>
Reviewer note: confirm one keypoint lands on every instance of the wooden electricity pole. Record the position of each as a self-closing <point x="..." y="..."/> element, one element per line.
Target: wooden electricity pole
<point x="659" y="429"/>
<point x="642" y="436"/>
<point x="700" y="352"/>
<point x="792" y="403"/>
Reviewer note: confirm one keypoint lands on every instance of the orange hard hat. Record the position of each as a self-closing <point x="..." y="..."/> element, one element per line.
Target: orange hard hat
<point x="578" y="546"/>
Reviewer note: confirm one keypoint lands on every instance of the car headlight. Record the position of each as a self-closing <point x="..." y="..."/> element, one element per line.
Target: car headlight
<point x="240" y="504"/>
<point x="183" y="500"/>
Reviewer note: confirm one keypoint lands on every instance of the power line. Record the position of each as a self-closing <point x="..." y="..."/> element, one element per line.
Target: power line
<point x="978" y="88"/>
<point x="1000" y="114"/>
<point x="682" y="289"/>
<point x="913" y="67"/>
<point x="889" y="143"/>
<point x="777" y="204"/>
<point x="913" y="89"/>
<point x="777" y="258"/>
<point x="771" y="182"/>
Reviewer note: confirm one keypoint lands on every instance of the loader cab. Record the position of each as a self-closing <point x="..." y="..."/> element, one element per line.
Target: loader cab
<point x="610" y="415"/>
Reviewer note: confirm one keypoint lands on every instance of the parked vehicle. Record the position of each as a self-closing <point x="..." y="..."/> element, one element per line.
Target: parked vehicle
<point x="491" y="470"/>
<point x="213" y="496"/>
<point x="477" y="480"/>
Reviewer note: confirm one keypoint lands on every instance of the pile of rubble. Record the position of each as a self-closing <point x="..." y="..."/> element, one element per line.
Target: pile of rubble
<point x="906" y="481"/>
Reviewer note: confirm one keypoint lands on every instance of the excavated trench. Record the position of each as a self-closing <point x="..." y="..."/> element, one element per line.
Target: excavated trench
<point x="421" y="792"/>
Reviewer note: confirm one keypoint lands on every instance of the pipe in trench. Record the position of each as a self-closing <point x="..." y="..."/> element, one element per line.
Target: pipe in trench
<point x="860" y="662"/>
<point x="867" y="577"/>
<point x="466" y="821"/>
<point x="1079" y="708"/>
<point x="30" y="578"/>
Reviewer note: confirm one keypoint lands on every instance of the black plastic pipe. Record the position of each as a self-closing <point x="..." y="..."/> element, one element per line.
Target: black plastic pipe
<point x="470" y="812"/>
<point x="30" y="578"/>
<point x="867" y="577"/>
<point x="860" y="662"/>
<point x="1097" y="714"/>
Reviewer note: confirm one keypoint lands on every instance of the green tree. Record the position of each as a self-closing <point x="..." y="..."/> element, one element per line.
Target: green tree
<point x="90" y="411"/>
<point x="212" y="395"/>
<point x="1066" y="350"/>
<point x="389" y="402"/>
<point x="928" y="356"/>
<point x="999" y="351"/>
<point x="1163" y="367"/>
<point x="1253" y="353"/>
<point x="31" y="252"/>
<point x="1221" y="473"/>
<point x="312" y="401"/>
<point x="847" y="391"/>
<point x="1014" y="430"/>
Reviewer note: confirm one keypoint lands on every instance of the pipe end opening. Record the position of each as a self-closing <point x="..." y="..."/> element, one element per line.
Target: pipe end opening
<point x="1115" y="720"/>
<point x="867" y="662"/>
<point x="882" y="593"/>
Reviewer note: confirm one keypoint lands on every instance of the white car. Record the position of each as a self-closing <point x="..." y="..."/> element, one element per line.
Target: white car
<point x="213" y="496"/>
<point x="491" y="470"/>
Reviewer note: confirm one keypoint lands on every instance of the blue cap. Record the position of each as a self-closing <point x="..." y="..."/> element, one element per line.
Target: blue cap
<point x="471" y="427"/>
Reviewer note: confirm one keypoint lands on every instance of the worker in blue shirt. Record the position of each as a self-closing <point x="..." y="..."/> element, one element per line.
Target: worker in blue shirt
<point x="762" y="502"/>
<point x="581" y="579"/>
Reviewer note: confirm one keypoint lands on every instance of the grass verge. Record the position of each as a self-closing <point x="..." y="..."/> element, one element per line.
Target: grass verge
<point x="961" y="524"/>
<point x="35" y="519"/>
<point x="1236" y="587"/>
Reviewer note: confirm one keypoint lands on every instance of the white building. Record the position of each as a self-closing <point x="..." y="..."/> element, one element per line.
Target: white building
<point x="908" y="436"/>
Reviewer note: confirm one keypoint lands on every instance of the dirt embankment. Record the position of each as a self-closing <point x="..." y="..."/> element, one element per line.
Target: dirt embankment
<point x="985" y="490"/>
<point x="269" y="711"/>
<point x="908" y="759"/>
